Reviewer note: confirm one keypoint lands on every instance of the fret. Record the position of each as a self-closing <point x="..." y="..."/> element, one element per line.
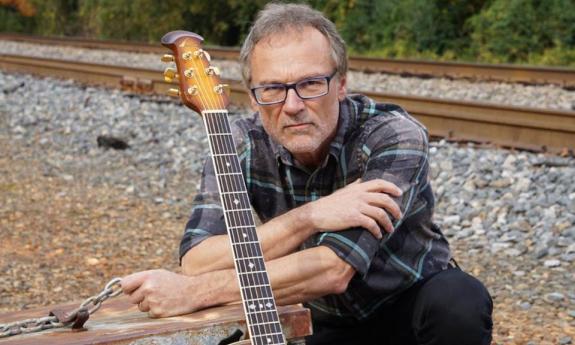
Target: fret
<point x="251" y="272"/>
<point x="265" y="285"/>
<point x="243" y="227"/>
<point x="223" y="154"/>
<point x="262" y="312"/>
<point x="220" y="134"/>
<point x="259" y="299"/>
<point x="268" y="334"/>
<point x="239" y="209"/>
<point x="230" y="174"/>
<point x="246" y="242"/>
<point x="265" y="323"/>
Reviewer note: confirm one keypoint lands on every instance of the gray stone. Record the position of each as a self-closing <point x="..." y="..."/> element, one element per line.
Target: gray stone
<point x="525" y="305"/>
<point x="555" y="296"/>
<point x="552" y="263"/>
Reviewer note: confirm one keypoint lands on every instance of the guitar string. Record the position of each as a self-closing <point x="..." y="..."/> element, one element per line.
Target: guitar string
<point x="241" y="217"/>
<point x="207" y="118"/>
<point x="202" y="96"/>
<point x="245" y="218"/>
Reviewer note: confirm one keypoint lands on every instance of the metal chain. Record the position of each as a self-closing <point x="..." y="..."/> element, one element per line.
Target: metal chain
<point x="112" y="289"/>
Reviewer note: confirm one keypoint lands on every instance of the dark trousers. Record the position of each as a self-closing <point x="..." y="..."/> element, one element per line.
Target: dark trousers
<point x="450" y="307"/>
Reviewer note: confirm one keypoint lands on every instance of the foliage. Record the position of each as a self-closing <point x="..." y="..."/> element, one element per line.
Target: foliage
<point x="516" y="31"/>
<point x="524" y="31"/>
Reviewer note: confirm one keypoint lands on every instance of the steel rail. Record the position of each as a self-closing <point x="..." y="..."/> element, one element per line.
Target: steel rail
<point x="502" y="72"/>
<point x="527" y="128"/>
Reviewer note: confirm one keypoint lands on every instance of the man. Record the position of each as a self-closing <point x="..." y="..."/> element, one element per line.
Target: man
<point x="341" y="185"/>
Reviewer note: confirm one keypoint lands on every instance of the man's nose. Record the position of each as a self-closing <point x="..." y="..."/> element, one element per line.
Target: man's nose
<point x="293" y="104"/>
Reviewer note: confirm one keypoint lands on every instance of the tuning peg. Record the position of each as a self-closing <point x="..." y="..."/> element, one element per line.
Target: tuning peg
<point x="170" y="73"/>
<point x="189" y="73"/>
<point x="201" y="52"/>
<point x="171" y="80"/>
<point x="168" y="58"/>
<point x="212" y="70"/>
<point x="221" y="88"/>
<point x="187" y="55"/>
<point x="174" y="92"/>
<point x="192" y="90"/>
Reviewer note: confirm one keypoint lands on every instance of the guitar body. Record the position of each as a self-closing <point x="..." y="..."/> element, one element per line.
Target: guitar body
<point x="200" y="89"/>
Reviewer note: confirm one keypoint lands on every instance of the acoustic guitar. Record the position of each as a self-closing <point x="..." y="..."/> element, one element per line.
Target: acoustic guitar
<point x="201" y="90"/>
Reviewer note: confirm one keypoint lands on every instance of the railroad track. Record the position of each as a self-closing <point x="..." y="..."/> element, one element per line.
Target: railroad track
<point x="524" y="128"/>
<point x="508" y="73"/>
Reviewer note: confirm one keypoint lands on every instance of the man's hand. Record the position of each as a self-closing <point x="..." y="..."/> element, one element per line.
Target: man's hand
<point x="160" y="293"/>
<point x="358" y="204"/>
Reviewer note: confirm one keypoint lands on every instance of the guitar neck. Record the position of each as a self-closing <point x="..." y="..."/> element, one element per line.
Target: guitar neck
<point x="257" y="297"/>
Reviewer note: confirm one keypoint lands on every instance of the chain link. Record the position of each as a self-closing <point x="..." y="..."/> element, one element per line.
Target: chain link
<point x="112" y="289"/>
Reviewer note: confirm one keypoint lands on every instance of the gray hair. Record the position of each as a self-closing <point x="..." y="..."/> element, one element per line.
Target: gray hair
<point x="276" y="18"/>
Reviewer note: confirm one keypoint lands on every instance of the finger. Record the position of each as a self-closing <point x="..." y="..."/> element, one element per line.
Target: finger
<point x="137" y="296"/>
<point x="371" y="225"/>
<point x="380" y="185"/>
<point x="133" y="281"/>
<point x="144" y="306"/>
<point x="385" y="202"/>
<point x="380" y="216"/>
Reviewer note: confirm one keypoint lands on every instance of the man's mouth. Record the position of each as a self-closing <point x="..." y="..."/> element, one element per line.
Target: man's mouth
<point x="298" y="125"/>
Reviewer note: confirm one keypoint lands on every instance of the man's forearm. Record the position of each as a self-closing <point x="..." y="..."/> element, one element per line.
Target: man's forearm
<point x="295" y="278"/>
<point x="278" y="237"/>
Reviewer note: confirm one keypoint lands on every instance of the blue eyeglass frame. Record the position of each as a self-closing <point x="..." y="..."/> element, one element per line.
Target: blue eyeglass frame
<point x="287" y="87"/>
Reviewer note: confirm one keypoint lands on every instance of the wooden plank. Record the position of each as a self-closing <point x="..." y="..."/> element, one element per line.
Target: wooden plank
<point x="119" y="322"/>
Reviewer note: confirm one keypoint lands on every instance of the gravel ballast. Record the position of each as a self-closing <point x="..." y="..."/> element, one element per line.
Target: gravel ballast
<point x="73" y="214"/>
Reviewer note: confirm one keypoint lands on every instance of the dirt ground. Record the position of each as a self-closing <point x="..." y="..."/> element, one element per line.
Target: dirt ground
<point x="62" y="239"/>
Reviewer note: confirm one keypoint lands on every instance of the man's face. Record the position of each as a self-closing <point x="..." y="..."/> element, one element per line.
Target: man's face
<point x="304" y="127"/>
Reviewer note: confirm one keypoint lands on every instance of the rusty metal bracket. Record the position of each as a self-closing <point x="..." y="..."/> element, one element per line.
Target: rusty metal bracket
<point x="78" y="317"/>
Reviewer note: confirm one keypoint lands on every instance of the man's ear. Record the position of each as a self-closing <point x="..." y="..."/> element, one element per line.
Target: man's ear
<point x="341" y="88"/>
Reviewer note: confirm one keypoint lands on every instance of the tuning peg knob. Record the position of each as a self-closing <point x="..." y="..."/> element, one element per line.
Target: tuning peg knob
<point x="174" y="92"/>
<point x="221" y="88"/>
<point x="168" y="58"/>
<point x="212" y="70"/>
<point x="198" y="53"/>
<point x="170" y="73"/>
<point x="189" y="73"/>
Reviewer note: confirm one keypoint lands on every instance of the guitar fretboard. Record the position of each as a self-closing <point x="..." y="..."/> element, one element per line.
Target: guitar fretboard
<point x="257" y="297"/>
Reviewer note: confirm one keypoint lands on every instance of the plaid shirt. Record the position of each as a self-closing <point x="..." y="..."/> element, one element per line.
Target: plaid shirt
<point x="372" y="141"/>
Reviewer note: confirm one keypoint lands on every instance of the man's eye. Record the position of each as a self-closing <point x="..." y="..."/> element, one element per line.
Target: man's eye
<point x="272" y="88"/>
<point x="311" y="83"/>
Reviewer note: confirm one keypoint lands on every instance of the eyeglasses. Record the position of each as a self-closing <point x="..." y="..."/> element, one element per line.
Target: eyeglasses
<point x="305" y="89"/>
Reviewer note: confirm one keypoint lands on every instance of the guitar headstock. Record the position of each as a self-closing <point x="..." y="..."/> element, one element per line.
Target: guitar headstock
<point x="199" y="83"/>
